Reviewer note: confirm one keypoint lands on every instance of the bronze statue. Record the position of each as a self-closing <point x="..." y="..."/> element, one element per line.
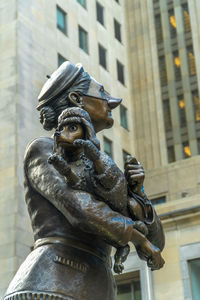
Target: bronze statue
<point x="77" y="214"/>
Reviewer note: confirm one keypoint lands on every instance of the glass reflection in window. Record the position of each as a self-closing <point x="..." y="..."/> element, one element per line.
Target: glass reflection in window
<point x="177" y="65"/>
<point x="129" y="291"/>
<point x="195" y="275"/>
<point x="182" y="114"/>
<point x="186" y="18"/>
<point x="196" y="105"/>
<point x="186" y="150"/>
<point x="172" y="22"/>
<point x="191" y="61"/>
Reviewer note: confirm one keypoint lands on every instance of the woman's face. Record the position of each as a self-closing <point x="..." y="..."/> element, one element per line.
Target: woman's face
<point x="96" y="103"/>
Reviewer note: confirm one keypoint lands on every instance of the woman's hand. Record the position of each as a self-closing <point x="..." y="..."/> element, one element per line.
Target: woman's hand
<point x="151" y="254"/>
<point x="134" y="174"/>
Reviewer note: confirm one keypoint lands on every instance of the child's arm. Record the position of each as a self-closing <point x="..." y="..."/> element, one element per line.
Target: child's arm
<point x="63" y="168"/>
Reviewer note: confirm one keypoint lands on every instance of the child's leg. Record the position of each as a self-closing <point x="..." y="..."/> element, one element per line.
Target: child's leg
<point x="120" y="257"/>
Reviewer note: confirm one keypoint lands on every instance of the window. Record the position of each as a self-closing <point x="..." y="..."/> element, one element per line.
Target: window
<point x="158" y="24"/>
<point x="100" y="13"/>
<point x="125" y="154"/>
<point x="172" y="22"/>
<point x="120" y="72"/>
<point x="190" y="267"/>
<point x="196" y="105"/>
<point x="61" y="20"/>
<point x="191" y="61"/>
<point x="163" y="71"/>
<point x="171" y="154"/>
<point x="198" y="145"/>
<point x="123" y="117"/>
<point x="177" y="65"/>
<point x="117" y="28"/>
<point x="182" y="115"/>
<point x="129" y="289"/>
<point x="194" y="266"/>
<point x="108" y="147"/>
<point x="82" y="2"/>
<point x="102" y="56"/>
<point x="83" y="39"/>
<point x="186" y="150"/>
<point x="158" y="200"/>
<point x="167" y="115"/>
<point x="186" y="17"/>
<point x="61" y="60"/>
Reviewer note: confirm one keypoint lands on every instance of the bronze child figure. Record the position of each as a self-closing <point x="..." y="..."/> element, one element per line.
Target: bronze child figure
<point x="77" y="156"/>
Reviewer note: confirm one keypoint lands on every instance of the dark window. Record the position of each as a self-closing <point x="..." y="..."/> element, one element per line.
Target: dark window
<point x="163" y="71"/>
<point x="102" y="57"/>
<point x="171" y="154"/>
<point x="182" y="115"/>
<point x="82" y="2"/>
<point x="196" y="105"/>
<point x="158" y="200"/>
<point x="117" y="27"/>
<point x="172" y="22"/>
<point x="83" y="39"/>
<point x="61" y="20"/>
<point x="120" y="72"/>
<point x="125" y="154"/>
<point x="158" y="24"/>
<point x="186" y="17"/>
<point x="167" y="115"/>
<point x="198" y="145"/>
<point x="177" y="65"/>
<point x="191" y="61"/>
<point x="186" y="150"/>
<point x="61" y="59"/>
<point x="108" y="147"/>
<point x="194" y="266"/>
<point x="123" y="117"/>
<point x="129" y="290"/>
<point x="100" y="13"/>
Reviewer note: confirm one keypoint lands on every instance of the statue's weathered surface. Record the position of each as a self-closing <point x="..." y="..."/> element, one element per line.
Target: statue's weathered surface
<point x="78" y="200"/>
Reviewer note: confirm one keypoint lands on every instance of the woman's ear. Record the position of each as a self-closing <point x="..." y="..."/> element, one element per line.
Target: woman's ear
<point x="75" y="99"/>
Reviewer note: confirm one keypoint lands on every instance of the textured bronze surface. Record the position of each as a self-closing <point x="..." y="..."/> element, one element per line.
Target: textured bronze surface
<point x="79" y="202"/>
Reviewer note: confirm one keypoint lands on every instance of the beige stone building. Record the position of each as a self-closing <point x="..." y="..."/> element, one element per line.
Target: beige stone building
<point x="145" y="51"/>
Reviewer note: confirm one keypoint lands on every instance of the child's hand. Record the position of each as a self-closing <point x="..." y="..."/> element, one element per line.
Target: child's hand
<point x="90" y="150"/>
<point x="59" y="164"/>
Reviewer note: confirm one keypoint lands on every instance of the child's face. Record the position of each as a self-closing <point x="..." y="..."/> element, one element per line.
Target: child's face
<point x="69" y="134"/>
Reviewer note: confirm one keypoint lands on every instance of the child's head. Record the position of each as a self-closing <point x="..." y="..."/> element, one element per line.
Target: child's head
<point x="75" y="123"/>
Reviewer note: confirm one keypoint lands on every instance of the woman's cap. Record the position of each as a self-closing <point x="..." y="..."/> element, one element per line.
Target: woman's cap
<point x="59" y="81"/>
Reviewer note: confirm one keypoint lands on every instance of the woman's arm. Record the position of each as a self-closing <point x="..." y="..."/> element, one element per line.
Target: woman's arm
<point x="80" y="208"/>
<point x="140" y="206"/>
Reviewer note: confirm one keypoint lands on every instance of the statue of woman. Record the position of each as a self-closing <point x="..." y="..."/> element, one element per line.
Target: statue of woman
<point x="73" y="230"/>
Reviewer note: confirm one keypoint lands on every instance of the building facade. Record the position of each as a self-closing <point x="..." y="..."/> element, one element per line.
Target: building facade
<point x="146" y="52"/>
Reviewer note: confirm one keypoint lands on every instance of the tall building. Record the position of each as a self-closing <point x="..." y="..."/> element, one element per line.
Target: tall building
<point x="146" y="52"/>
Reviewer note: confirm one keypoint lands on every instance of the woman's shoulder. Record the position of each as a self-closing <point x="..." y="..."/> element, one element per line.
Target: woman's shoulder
<point x="39" y="146"/>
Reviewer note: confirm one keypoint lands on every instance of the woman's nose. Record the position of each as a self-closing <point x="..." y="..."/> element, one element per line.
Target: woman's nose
<point x="114" y="102"/>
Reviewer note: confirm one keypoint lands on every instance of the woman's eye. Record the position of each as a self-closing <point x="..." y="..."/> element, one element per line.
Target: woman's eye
<point x="73" y="128"/>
